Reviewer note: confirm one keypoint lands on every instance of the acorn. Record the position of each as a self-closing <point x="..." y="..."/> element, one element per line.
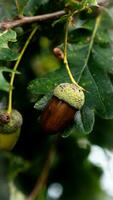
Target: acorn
<point x="58" y="53"/>
<point x="67" y="99"/>
<point x="10" y="126"/>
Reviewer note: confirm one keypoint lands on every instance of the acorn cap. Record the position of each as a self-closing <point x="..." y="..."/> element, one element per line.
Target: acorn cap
<point x="14" y="123"/>
<point x="71" y="94"/>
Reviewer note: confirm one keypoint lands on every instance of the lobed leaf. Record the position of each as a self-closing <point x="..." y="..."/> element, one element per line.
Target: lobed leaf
<point x="4" y="85"/>
<point x="85" y="120"/>
<point x="41" y="103"/>
<point x="6" y="53"/>
<point x="5" y="37"/>
<point x="46" y="84"/>
<point x="32" y="6"/>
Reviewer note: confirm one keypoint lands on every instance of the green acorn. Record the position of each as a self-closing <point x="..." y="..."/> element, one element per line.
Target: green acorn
<point x="10" y="126"/>
<point x="66" y="101"/>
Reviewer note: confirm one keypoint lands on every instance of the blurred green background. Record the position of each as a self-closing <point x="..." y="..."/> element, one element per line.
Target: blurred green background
<point x="78" y="164"/>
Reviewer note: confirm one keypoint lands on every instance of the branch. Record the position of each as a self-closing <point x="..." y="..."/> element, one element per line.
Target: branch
<point x="41" y="182"/>
<point x="28" y="20"/>
<point x="44" y="17"/>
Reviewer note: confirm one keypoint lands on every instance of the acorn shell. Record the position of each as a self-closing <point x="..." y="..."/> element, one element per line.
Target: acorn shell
<point x="14" y="123"/>
<point x="71" y="94"/>
<point x="10" y="131"/>
<point x="8" y="141"/>
<point x="60" y="111"/>
<point x="56" y="116"/>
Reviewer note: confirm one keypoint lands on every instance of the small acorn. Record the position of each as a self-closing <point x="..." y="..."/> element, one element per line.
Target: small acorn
<point x="66" y="101"/>
<point x="58" y="53"/>
<point x="10" y="126"/>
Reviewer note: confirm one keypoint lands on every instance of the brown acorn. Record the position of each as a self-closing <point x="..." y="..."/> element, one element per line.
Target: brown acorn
<point x="66" y="101"/>
<point x="58" y="53"/>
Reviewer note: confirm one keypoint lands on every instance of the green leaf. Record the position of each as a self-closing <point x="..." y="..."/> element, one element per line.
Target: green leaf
<point x="5" y="51"/>
<point x="16" y="165"/>
<point x="33" y="5"/>
<point x="4" y="85"/>
<point x="82" y="24"/>
<point x="103" y="88"/>
<point x="40" y="104"/>
<point x="90" y="2"/>
<point x="20" y="4"/>
<point x="8" y="55"/>
<point x="7" y="36"/>
<point x="103" y="57"/>
<point x="7" y="10"/>
<point x="71" y="130"/>
<point x="46" y="84"/>
<point x="103" y="35"/>
<point x="84" y="120"/>
<point x="5" y="69"/>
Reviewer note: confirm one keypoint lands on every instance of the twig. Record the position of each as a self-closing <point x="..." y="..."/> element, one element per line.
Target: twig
<point x="9" y="110"/>
<point x="27" y="20"/>
<point x="44" y="17"/>
<point x="44" y="176"/>
<point x="65" y="55"/>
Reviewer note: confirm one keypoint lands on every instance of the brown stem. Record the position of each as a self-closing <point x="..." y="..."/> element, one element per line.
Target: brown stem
<point x="27" y="20"/>
<point x="41" y="182"/>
